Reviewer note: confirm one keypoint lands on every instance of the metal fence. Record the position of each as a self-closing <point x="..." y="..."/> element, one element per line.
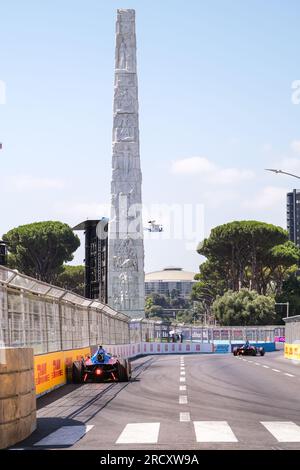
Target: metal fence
<point x="145" y="330"/>
<point x="292" y="326"/>
<point x="48" y="318"/>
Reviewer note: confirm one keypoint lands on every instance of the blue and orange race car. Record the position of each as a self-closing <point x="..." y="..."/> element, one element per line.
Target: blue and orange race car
<point x="100" y="367"/>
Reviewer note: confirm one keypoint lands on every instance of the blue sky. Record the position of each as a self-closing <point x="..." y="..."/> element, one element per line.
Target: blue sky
<point x="215" y="88"/>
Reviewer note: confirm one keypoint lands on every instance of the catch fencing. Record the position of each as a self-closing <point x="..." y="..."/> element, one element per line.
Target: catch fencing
<point x="48" y="318"/>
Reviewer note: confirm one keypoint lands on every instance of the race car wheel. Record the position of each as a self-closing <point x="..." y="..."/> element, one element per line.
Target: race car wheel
<point x="254" y="352"/>
<point x="123" y="374"/>
<point x="77" y="372"/>
<point x="262" y="352"/>
<point x="235" y="353"/>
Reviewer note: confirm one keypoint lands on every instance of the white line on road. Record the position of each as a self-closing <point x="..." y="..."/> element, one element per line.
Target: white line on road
<point x="276" y="370"/>
<point x="289" y="375"/>
<point x="139" y="433"/>
<point x="283" y="431"/>
<point x="214" y="431"/>
<point x="183" y="399"/>
<point x="184" y="417"/>
<point x="65" y="436"/>
<point x="182" y="379"/>
<point x="182" y="388"/>
<point x="257" y="364"/>
<point x="266" y="367"/>
<point x="182" y="372"/>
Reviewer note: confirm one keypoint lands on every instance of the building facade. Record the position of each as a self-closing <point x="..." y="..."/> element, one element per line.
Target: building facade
<point x="3" y="253"/>
<point x="96" y="251"/>
<point x="170" y="279"/>
<point x="293" y="216"/>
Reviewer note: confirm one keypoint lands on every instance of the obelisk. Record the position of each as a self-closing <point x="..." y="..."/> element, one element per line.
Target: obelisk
<point x="126" y="286"/>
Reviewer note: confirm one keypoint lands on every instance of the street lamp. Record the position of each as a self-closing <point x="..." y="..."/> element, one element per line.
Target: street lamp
<point x="287" y="306"/>
<point x="282" y="172"/>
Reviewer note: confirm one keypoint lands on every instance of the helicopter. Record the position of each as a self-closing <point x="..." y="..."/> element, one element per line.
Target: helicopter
<point x="153" y="227"/>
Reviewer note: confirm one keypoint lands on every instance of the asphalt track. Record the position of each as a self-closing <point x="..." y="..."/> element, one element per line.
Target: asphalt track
<point x="177" y="402"/>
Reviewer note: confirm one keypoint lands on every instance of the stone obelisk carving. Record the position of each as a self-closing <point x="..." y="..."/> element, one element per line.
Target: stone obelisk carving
<point x="126" y="291"/>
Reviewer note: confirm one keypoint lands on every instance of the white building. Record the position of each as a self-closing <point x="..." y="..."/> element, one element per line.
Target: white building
<point x="165" y="281"/>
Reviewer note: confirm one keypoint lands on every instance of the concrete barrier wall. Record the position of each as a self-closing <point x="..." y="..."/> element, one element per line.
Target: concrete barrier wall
<point x="17" y="395"/>
<point x="50" y="370"/>
<point x="133" y="350"/>
<point x="292" y="351"/>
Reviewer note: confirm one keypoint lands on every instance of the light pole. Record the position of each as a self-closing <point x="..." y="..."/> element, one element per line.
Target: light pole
<point x="287" y="306"/>
<point x="282" y="172"/>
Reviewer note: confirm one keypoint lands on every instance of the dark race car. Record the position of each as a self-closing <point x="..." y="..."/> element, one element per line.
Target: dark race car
<point x="100" y="367"/>
<point x="248" y="351"/>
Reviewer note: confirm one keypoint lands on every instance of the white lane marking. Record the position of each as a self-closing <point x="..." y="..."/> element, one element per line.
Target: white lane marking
<point x="266" y="367"/>
<point x="289" y="375"/>
<point x="182" y="372"/>
<point x="139" y="433"/>
<point x="183" y="399"/>
<point x="249" y="361"/>
<point x="184" y="417"/>
<point x="283" y="431"/>
<point x="214" y="431"/>
<point x="181" y="379"/>
<point x="65" y="436"/>
<point x="182" y="369"/>
<point x="276" y="370"/>
<point x="257" y="363"/>
<point x="182" y="388"/>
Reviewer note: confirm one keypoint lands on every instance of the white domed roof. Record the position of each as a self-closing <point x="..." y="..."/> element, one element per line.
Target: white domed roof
<point x="170" y="274"/>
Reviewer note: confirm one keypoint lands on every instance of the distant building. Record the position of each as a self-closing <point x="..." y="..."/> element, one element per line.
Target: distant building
<point x="165" y="281"/>
<point x="3" y="253"/>
<point x="293" y="216"/>
<point x="96" y="249"/>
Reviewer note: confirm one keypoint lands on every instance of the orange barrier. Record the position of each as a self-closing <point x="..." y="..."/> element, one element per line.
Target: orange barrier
<point x="50" y="369"/>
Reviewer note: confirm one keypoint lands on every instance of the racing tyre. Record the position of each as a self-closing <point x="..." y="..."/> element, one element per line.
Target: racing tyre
<point x="254" y="352"/>
<point x="235" y="353"/>
<point x="262" y="352"/>
<point x="77" y="372"/>
<point x="123" y="373"/>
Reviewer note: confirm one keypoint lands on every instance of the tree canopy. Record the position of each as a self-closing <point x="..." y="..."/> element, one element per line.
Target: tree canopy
<point x="160" y="305"/>
<point x="250" y="254"/>
<point x="244" y="308"/>
<point x="72" y="278"/>
<point x="40" y="249"/>
<point x="290" y="293"/>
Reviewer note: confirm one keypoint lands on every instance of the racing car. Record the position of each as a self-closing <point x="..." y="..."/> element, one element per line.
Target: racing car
<point x="100" y="367"/>
<point x="248" y="351"/>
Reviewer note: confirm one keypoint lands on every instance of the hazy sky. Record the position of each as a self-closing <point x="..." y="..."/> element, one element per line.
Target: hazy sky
<point x="216" y="108"/>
